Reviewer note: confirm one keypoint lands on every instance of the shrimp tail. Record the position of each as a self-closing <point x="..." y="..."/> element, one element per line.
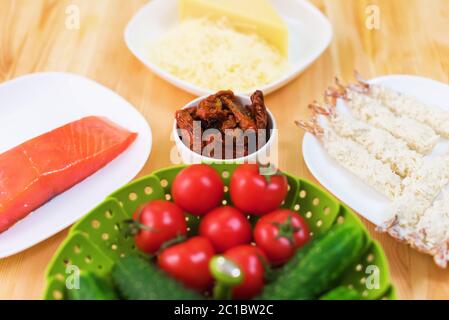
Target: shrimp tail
<point x="326" y="110"/>
<point x="362" y="86"/>
<point x="311" y="126"/>
<point x="333" y="93"/>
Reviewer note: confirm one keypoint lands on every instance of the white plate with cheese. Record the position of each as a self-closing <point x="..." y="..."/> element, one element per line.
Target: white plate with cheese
<point x="309" y="34"/>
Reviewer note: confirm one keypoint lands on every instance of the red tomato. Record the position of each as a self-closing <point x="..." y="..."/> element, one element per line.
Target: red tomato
<point x="198" y="189"/>
<point x="161" y="221"/>
<point x="280" y="233"/>
<point x="252" y="193"/>
<point x="225" y="227"/>
<point x="249" y="259"/>
<point x="188" y="262"/>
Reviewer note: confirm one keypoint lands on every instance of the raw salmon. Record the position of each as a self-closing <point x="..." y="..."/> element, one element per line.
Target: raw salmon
<point x="41" y="168"/>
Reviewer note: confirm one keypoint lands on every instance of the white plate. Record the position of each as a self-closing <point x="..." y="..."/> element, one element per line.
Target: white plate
<point x="34" y="104"/>
<point x="348" y="188"/>
<point x="310" y="33"/>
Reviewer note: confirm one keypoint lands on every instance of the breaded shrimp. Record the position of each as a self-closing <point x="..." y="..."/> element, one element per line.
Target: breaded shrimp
<point x="356" y="159"/>
<point x="407" y="105"/>
<point x="418" y="196"/>
<point x="380" y="143"/>
<point x="418" y="136"/>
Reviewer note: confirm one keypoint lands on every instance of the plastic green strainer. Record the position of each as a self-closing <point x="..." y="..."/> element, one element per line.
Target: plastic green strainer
<point x="96" y="242"/>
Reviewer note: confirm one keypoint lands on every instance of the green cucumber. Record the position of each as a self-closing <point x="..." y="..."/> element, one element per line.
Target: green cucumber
<point x="342" y="293"/>
<point x="92" y="287"/>
<point x="317" y="270"/>
<point x="138" y="279"/>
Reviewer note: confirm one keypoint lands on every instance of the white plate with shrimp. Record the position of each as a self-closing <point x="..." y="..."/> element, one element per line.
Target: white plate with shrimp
<point x="352" y="188"/>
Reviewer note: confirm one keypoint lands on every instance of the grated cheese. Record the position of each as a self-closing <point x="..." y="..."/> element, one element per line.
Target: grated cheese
<point x="214" y="56"/>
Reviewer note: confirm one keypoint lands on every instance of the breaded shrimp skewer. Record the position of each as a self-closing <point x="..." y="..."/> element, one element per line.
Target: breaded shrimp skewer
<point x="380" y="143"/>
<point x="418" y="136"/>
<point x="356" y="159"/>
<point x="407" y="105"/>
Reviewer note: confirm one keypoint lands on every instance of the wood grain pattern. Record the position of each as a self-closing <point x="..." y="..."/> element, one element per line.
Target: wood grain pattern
<point x="412" y="39"/>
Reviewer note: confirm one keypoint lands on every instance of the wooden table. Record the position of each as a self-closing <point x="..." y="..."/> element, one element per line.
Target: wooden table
<point x="412" y="39"/>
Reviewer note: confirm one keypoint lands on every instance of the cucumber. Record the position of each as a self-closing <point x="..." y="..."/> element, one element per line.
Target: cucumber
<point x="92" y="287"/>
<point x="342" y="293"/>
<point x="317" y="270"/>
<point x="137" y="279"/>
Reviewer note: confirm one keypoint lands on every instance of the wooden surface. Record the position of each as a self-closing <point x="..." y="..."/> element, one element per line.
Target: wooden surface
<point x="412" y="39"/>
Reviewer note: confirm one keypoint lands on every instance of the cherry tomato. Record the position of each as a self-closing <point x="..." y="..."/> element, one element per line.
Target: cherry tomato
<point x="256" y="194"/>
<point x="158" y="222"/>
<point x="225" y="227"/>
<point x="280" y="233"/>
<point x="188" y="262"/>
<point x="198" y="189"/>
<point x="250" y="261"/>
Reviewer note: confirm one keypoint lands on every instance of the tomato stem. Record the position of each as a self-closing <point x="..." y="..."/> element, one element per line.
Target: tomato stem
<point x="227" y="275"/>
<point x="132" y="228"/>
<point x="286" y="229"/>
<point x="172" y="242"/>
<point x="269" y="174"/>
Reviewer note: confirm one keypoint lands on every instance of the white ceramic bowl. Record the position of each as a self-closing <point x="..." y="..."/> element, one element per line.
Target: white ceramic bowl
<point x="310" y="33"/>
<point x="268" y="153"/>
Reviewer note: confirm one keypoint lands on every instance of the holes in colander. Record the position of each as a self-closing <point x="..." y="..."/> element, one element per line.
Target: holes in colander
<point x="164" y="183"/>
<point x="289" y="187"/>
<point x="319" y="223"/>
<point x="59" y="277"/>
<point x="148" y="190"/>
<point x="117" y="227"/>
<point x="187" y="219"/>
<point x="88" y="259"/>
<point x="340" y="220"/>
<point x="225" y="174"/>
<point x="302" y="194"/>
<point x="95" y="224"/>
<point x="77" y="248"/>
<point x="311" y="234"/>
<point x="105" y="236"/>
<point x="57" y="295"/>
<point x="365" y="293"/>
<point x="362" y="280"/>
<point x="358" y="268"/>
<point x="168" y="197"/>
<point x="224" y="202"/>
<point x="283" y="203"/>
<point x="66" y="261"/>
<point x="309" y="214"/>
<point x="226" y="189"/>
<point x="296" y="207"/>
<point x="370" y="257"/>
<point x="326" y="211"/>
<point x="188" y="229"/>
<point x="316" y="201"/>
<point x="108" y="214"/>
<point x="120" y="203"/>
<point x="133" y="196"/>
<point x="114" y="247"/>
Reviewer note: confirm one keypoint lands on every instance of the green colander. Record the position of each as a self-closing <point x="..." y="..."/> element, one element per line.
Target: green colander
<point x="96" y="241"/>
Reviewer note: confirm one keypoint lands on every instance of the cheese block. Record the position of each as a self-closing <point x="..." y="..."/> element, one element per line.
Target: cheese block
<point x="256" y="16"/>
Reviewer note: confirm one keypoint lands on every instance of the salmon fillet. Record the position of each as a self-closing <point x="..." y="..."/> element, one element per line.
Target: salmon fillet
<point x="38" y="170"/>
